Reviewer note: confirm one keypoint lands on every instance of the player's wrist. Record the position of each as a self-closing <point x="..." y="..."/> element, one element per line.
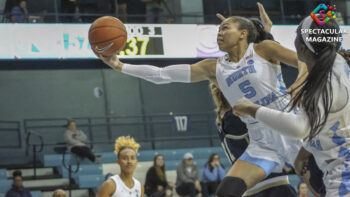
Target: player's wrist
<point x="252" y="109"/>
<point x="118" y="65"/>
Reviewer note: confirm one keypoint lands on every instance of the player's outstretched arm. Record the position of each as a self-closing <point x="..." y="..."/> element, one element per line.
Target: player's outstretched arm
<point x="271" y="50"/>
<point x="286" y="123"/>
<point x="265" y="19"/>
<point x="184" y="73"/>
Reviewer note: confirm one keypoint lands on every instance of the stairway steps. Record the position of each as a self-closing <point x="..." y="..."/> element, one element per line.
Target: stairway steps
<point x="30" y="172"/>
<point x="46" y="182"/>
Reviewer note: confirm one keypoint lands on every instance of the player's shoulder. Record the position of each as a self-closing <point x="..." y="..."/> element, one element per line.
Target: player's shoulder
<point x="208" y="64"/>
<point x="110" y="183"/>
<point x="209" y="61"/>
<point x="107" y="188"/>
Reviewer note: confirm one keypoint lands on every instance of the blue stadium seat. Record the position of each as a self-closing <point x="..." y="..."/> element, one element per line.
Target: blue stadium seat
<point x="198" y="153"/>
<point x="172" y="164"/>
<point x="83" y="170"/>
<point x="172" y="155"/>
<point x="89" y="181"/>
<point x="35" y="193"/>
<point x="294" y="181"/>
<point x="108" y="157"/>
<point x="3" y="174"/>
<point x="200" y="162"/>
<point x="146" y="155"/>
<point x="52" y="160"/>
<point x="5" y="185"/>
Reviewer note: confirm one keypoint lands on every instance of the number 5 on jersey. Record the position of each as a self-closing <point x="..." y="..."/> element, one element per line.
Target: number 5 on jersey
<point x="247" y="89"/>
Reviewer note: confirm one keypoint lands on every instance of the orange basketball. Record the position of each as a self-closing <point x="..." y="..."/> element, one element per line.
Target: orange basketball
<point x="107" y="36"/>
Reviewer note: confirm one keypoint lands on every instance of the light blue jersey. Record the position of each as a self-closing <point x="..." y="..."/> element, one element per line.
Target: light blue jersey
<point x="331" y="147"/>
<point x="261" y="82"/>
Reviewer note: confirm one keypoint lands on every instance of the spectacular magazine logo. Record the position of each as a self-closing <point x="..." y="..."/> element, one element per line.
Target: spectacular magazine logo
<point x="323" y="13"/>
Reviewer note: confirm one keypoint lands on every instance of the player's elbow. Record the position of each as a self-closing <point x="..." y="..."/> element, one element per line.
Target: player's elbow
<point x="302" y="134"/>
<point x="301" y="131"/>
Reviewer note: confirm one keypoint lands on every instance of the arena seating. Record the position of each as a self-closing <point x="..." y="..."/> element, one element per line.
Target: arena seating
<point x="90" y="175"/>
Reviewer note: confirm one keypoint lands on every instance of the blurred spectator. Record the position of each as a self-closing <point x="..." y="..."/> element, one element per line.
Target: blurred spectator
<point x="19" y="13"/>
<point x="76" y="141"/>
<point x="59" y="193"/>
<point x="154" y="11"/>
<point x="156" y="184"/>
<point x="122" y="10"/>
<point x="136" y="11"/>
<point x="302" y="190"/>
<point x="212" y="175"/>
<point x="339" y="18"/>
<point x="17" y="189"/>
<point x="187" y="180"/>
<point x="70" y="9"/>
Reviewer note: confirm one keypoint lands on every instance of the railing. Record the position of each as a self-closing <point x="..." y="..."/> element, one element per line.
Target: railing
<point x="168" y="15"/>
<point x="34" y="147"/>
<point x="11" y="134"/>
<point x="149" y="130"/>
<point x="70" y="170"/>
<point x="142" y="18"/>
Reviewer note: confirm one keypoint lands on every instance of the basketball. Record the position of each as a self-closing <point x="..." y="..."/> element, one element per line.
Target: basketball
<point x="107" y="36"/>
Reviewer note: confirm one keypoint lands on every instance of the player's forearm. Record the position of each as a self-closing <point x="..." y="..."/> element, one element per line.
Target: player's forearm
<point x="288" y="124"/>
<point x="157" y="75"/>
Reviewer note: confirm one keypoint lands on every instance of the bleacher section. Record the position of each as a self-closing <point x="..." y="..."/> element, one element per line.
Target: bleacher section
<point x="90" y="175"/>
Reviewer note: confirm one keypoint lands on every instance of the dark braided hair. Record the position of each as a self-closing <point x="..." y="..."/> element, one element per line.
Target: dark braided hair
<point x="255" y="28"/>
<point x="317" y="86"/>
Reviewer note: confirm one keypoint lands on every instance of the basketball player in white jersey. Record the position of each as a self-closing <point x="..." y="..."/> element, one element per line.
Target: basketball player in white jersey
<point x="324" y="118"/>
<point x="251" y="69"/>
<point x="124" y="184"/>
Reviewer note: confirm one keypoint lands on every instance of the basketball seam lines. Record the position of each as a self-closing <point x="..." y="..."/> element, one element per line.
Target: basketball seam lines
<point x="123" y="29"/>
<point x="108" y="40"/>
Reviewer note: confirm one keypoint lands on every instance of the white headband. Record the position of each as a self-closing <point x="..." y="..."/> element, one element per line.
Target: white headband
<point x="306" y="25"/>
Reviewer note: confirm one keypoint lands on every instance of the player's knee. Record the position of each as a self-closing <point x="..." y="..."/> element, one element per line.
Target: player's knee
<point x="231" y="187"/>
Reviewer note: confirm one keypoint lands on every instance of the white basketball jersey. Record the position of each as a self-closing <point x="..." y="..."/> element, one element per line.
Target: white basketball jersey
<point x="333" y="142"/>
<point x="261" y="82"/>
<point x="252" y="77"/>
<point x="123" y="191"/>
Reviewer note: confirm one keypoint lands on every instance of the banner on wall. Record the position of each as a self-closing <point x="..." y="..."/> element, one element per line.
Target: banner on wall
<point x="70" y="41"/>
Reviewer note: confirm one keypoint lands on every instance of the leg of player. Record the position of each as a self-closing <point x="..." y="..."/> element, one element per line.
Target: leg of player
<point x="242" y="176"/>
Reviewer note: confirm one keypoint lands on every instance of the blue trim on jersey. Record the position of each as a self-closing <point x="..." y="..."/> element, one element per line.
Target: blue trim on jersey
<point x="344" y="187"/>
<point x="281" y="83"/>
<point x="266" y="165"/>
<point x="337" y="139"/>
<point x="343" y="152"/>
<point x="347" y="69"/>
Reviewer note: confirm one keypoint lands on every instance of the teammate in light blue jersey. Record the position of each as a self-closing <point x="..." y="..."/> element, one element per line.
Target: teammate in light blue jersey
<point x="324" y="119"/>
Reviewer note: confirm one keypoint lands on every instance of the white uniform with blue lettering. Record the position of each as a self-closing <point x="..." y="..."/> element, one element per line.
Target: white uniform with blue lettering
<point x="123" y="191"/>
<point x="260" y="81"/>
<point x="331" y="147"/>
